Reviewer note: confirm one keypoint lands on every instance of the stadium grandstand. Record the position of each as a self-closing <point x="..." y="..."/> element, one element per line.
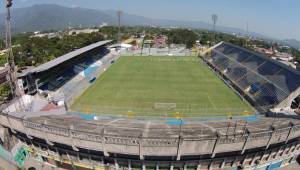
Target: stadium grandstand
<point x="266" y="83"/>
<point x="52" y="75"/>
<point x="70" y="138"/>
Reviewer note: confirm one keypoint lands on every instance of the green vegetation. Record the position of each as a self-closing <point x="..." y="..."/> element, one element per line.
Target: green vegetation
<point x="150" y="85"/>
<point x="111" y="32"/>
<point x="2" y="60"/>
<point x="4" y="91"/>
<point x="33" y="51"/>
<point x="182" y="36"/>
<point x="175" y="36"/>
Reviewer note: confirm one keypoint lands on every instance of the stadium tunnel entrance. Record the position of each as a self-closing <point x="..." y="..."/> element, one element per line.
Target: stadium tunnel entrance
<point x="296" y="103"/>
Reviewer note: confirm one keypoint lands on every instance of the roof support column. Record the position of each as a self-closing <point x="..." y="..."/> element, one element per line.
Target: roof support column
<point x="213" y="154"/>
<point x="184" y="167"/>
<point x="223" y="163"/>
<point x="245" y="143"/>
<point x="288" y="135"/>
<point x="116" y="164"/>
<point x="143" y="166"/>
<point x="172" y="167"/>
<point x="129" y="165"/>
<point x="141" y="148"/>
<point x="103" y="144"/>
<point x="157" y="166"/>
<point x="271" y="136"/>
<point x="180" y="139"/>
<point x="199" y="166"/>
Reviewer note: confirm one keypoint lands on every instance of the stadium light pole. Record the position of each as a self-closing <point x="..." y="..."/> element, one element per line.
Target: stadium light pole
<point x="247" y="28"/>
<point x="10" y="56"/>
<point x="179" y="139"/>
<point x="245" y="127"/>
<point x="214" y="18"/>
<point x="12" y="76"/>
<point x="247" y="36"/>
<point x="119" y="13"/>
<point x="142" y="48"/>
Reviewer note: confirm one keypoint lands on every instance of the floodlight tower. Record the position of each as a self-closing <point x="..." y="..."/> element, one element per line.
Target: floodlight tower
<point x="13" y="81"/>
<point x="10" y="56"/>
<point x="247" y="36"/>
<point x="247" y="28"/>
<point x="119" y="13"/>
<point x="214" y="17"/>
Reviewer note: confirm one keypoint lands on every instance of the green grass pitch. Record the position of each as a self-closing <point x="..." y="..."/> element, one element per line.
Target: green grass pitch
<point x="160" y="86"/>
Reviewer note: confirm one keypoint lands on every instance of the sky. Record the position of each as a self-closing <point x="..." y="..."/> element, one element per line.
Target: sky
<point x="275" y="18"/>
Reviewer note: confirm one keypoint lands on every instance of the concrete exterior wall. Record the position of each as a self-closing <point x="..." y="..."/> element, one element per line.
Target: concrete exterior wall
<point x="259" y="159"/>
<point x="151" y="146"/>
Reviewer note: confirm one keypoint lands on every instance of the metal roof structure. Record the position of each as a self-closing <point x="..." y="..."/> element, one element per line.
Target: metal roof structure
<point x="66" y="57"/>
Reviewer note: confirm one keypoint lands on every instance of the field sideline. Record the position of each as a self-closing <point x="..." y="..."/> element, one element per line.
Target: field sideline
<point x="160" y="86"/>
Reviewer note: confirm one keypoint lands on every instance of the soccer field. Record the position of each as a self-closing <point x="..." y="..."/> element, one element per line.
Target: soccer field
<point x="160" y="86"/>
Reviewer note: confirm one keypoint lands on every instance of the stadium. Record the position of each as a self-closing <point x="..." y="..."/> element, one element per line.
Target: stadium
<point x="228" y="108"/>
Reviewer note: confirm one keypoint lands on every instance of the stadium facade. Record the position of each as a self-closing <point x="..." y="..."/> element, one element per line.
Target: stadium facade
<point x="128" y="143"/>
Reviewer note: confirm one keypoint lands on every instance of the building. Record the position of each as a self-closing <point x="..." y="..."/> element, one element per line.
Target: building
<point x="48" y="35"/>
<point x="160" y="41"/>
<point x="268" y="52"/>
<point x="104" y="24"/>
<point x="82" y="31"/>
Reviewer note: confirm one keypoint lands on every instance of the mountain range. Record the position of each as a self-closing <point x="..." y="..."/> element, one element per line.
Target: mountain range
<point x="51" y="17"/>
<point x="54" y="17"/>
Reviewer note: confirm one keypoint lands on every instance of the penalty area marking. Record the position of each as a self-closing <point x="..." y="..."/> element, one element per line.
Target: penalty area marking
<point x="164" y="106"/>
<point x="211" y="102"/>
<point x="111" y="122"/>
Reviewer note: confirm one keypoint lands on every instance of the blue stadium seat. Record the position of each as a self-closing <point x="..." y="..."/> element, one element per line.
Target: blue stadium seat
<point x="269" y="82"/>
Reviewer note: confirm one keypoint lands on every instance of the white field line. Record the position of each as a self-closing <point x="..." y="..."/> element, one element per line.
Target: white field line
<point x="111" y="122"/>
<point x="208" y="126"/>
<point x="211" y="102"/>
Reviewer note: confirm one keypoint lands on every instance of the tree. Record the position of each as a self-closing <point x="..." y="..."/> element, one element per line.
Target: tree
<point x="4" y="91"/>
<point x="38" y="50"/>
<point x="182" y="36"/>
<point x="2" y="60"/>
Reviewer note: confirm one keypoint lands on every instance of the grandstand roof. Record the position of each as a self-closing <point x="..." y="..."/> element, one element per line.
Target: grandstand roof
<point x="66" y="57"/>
